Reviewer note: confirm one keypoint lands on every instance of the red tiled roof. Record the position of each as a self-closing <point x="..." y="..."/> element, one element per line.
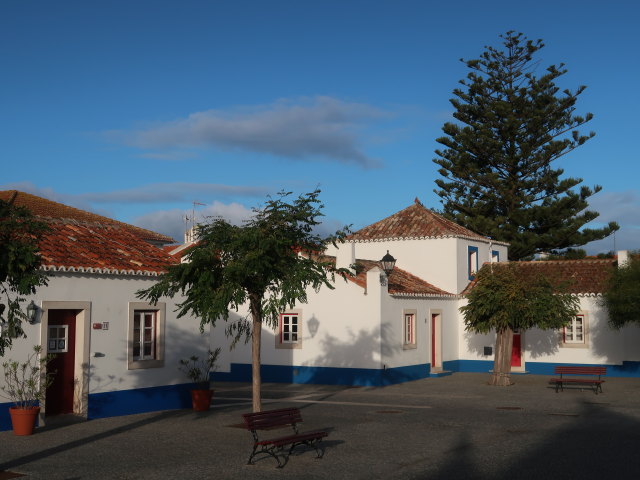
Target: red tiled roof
<point x="42" y="207"/>
<point x="400" y="282"/>
<point x="99" y="248"/>
<point x="586" y="277"/>
<point x="415" y="221"/>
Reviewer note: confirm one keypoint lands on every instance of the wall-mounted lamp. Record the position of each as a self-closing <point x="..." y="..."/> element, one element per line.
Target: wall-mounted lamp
<point x="313" y="324"/>
<point x="387" y="264"/>
<point x="32" y="312"/>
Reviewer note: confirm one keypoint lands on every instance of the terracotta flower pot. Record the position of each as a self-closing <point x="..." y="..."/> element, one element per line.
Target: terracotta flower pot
<point x="23" y="420"/>
<point x="201" y="399"/>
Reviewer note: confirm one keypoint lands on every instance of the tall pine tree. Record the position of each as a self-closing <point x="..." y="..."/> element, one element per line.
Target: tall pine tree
<point x="497" y="161"/>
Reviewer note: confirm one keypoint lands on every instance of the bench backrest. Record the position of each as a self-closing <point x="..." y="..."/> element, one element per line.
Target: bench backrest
<point x="272" y="418"/>
<point x="581" y="370"/>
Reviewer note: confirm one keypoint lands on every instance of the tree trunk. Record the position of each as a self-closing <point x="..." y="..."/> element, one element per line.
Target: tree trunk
<point x="501" y="375"/>
<point x="256" y="341"/>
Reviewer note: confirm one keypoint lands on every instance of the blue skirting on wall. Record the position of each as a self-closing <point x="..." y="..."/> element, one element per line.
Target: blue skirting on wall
<point x="140" y="400"/>
<point x="627" y="369"/>
<point x="241" y="372"/>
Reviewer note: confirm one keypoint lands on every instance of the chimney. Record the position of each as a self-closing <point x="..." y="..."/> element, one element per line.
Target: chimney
<point x="346" y="255"/>
<point x="190" y="235"/>
<point x="623" y="258"/>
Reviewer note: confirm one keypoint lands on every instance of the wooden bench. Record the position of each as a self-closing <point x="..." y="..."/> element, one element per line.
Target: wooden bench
<point x="273" y="419"/>
<point x="596" y="383"/>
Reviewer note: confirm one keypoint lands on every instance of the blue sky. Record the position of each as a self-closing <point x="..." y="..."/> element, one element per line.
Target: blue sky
<point x="137" y="109"/>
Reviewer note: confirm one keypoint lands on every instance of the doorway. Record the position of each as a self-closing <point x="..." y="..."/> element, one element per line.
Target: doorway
<point x="61" y="342"/>
<point x="436" y="341"/>
<point x="516" y="351"/>
<point x="65" y="333"/>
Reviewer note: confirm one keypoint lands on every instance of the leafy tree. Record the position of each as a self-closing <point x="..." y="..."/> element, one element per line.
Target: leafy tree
<point x="19" y="268"/>
<point x="504" y="299"/>
<point x="497" y="161"/>
<point x="622" y="298"/>
<point x="259" y="263"/>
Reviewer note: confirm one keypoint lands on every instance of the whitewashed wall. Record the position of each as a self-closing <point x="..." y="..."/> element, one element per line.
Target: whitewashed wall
<point x="109" y="297"/>
<point x="604" y="344"/>
<point x="439" y="261"/>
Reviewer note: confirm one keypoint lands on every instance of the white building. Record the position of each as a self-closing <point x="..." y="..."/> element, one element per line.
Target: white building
<point x="368" y="331"/>
<point x="115" y="355"/>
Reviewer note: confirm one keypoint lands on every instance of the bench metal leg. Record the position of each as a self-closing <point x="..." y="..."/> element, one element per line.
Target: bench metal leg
<point x="314" y="443"/>
<point x="269" y="451"/>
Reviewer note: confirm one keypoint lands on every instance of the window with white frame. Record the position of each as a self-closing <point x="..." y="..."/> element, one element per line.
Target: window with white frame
<point x="290" y="330"/>
<point x="146" y="335"/>
<point x="472" y="256"/>
<point x="409" y="328"/>
<point x="575" y="332"/>
<point x="58" y="339"/>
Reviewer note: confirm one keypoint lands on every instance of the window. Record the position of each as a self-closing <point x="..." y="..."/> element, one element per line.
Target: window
<point x="472" y="262"/>
<point x="290" y="331"/>
<point x="575" y="334"/>
<point x="58" y="339"/>
<point x="495" y="256"/>
<point x="409" y="329"/>
<point x="146" y="335"/>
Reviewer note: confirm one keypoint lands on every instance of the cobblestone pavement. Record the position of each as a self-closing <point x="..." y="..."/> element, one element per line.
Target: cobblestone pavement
<point x="442" y="428"/>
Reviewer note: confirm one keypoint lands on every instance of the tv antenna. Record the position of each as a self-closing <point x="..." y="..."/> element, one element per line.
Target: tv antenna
<point x="190" y="221"/>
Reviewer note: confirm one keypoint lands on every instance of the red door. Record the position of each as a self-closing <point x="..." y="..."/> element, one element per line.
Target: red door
<point x="434" y="318"/>
<point x="61" y="341"/>
<point x="516" y="351"/>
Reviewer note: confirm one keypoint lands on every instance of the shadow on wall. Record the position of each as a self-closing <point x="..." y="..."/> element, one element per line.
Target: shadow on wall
<point x="606" y="347"/>
<point x="356" y="360"/>
<point x="146" y="389"/>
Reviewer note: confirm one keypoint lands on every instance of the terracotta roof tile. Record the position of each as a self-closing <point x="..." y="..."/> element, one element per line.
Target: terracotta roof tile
<point x="415" y="221"/>
<point x="49" y="209"/>
<point x="400" y="282"/>
<point x="586" y="277"/>
<point x="95" y="247"/>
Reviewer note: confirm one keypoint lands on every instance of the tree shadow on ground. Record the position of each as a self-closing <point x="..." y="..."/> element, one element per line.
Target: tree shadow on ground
<point x="596" y="443"/>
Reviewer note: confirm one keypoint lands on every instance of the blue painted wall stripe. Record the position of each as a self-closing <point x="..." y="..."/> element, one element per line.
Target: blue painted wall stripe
<point x="141" y="400"/>
<point x="241" y="372"/>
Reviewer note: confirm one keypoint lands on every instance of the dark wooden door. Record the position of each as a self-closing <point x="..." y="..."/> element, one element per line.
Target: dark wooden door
<point x="61" y="342"/>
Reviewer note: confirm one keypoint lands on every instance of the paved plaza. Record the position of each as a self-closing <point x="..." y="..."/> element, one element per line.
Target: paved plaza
<point x="455" y="427"/>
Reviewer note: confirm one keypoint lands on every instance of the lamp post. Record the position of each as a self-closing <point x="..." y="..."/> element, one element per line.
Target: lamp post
<point x="387" y="263"/>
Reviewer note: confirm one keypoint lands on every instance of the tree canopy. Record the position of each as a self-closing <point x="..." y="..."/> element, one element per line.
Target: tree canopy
<point x="622" y="298"/>
<point x="267" y="263"/>
<point x="19" y="268"/>
<point x="497" y="159"/>
<point x="503" y="299"/>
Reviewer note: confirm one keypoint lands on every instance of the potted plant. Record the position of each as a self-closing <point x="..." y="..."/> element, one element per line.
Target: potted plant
<point x="197" y="370"/>
<point x="25" y="385"/>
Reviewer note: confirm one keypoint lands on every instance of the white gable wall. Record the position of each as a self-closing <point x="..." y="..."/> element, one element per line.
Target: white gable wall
<point x="443" y="262"/>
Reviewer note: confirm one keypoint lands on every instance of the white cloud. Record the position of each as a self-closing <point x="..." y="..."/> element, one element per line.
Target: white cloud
<point x="621" y="207"/>
<point x="151" y="193"/>
<point x="172" y="222"/>
<point x="172" y="192"/>
<point x="317" y="128"/>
